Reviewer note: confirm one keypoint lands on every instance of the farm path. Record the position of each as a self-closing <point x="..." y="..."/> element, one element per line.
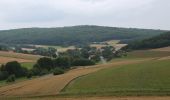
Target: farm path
<point x="106" y="98"/>
<point x="52" y="85"/>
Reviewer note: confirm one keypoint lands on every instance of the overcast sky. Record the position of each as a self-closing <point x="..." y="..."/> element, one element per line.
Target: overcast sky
<point x="56" y="13"/>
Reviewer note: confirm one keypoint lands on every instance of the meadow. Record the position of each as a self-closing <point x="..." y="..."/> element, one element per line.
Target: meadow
<point x="149" y="78"/>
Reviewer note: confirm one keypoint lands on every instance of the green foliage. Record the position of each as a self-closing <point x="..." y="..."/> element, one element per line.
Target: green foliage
<point x="14" y="68"/>
<point x="63" y="62"/>
<point x="45" y="63"/>
<point x="11" y="78"/>
<point x="162" y="40"/>
<point x="108" y="52"/>
<point x="82" y="62"/>
<point x="29" y="74"/>
<point x="4" y="47"/>
<point x="50" y="52"/>
<point x="58" y="71"/>
<point x="75" y="35"/>
<point x="3" y="75"/>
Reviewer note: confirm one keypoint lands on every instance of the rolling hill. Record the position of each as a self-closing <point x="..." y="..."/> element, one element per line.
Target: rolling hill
<point x="74" y="35"/>
<point x="159" y="41"/>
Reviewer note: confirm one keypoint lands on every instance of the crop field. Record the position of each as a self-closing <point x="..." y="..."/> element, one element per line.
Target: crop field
<point x="149" y="78"/>
<point x="114" y="43"/>
<point x="4" y="60"/>
<point x="40" y="87"/>
<point x="59" y="48"/>
<point x="141" y="73"/>
<point x="19" y="55"/>
<point x="162" y="49"/>
<point x="148" y="54"/>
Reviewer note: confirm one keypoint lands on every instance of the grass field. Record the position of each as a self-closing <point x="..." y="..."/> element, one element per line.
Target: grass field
<point x="28" y="65"/>
<point x="149" y="78"/>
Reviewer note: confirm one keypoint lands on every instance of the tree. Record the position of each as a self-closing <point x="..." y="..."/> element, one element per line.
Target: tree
<point x="82" y="62"/>
<point x="62" y="62"/>
<point x="14" y="68"/>
<point x="108" y="52"/>
<point x="45" y="63"/>
<point x="52" y="52"/>
<point x="3" y="75"/>
<point x="58" y="71"/>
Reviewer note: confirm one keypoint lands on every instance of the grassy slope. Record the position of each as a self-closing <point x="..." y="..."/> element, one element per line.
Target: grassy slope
<point x="148" y="78"/>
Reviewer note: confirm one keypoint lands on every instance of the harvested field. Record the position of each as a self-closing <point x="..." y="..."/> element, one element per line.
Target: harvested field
<point x="19" y="55"/>
<point x="162" y="49"/>
<point x="52" y="85"/>
<point x="4" y="60"/>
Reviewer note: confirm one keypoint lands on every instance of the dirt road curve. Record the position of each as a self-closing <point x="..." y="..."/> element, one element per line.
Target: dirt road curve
<point x="52" y="85"/>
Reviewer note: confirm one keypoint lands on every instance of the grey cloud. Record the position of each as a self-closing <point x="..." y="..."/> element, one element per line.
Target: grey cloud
<point x="53" y="13"/>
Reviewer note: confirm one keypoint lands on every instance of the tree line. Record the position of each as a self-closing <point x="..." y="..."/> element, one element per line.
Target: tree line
<point x="65" y="61"/>
<point x="159" y="41"/>
<point x="76" y="35"/>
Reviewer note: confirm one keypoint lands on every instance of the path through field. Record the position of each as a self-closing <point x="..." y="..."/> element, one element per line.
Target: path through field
<point x="104" y="98"/>
<point x="52" y="85"/>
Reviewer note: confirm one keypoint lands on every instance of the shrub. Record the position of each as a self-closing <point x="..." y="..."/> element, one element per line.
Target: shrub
<point x="63" y="62"/>
<point x="45" y="63"/>
<point x="83" y="62"/>
<point x="43" y="72"/>
<point x="3" y="75"/>
<point x="11" y="78"/>
<point x="58" y="71"/>
<point x="15" y="68"/>
<point x="29" y="74"/>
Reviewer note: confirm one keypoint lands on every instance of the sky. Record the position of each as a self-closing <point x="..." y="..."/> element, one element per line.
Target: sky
<point x="150" y="14"/>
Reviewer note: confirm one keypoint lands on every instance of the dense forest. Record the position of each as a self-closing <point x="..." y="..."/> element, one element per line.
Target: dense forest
<point x="159" y="41"/>
<point x="74" y="35"/>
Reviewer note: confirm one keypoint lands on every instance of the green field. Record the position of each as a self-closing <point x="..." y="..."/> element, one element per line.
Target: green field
<point x="149" y="78"/>
<point x="28" y="65"/>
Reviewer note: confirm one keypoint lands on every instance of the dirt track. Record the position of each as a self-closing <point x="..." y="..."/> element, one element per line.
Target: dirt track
<point x="52" y="85"/>
<point x="106" y="98"/>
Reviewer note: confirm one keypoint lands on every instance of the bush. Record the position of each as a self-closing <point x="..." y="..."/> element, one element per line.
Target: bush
<point x="3" y="75"/>
<point x="11" y="78"/>
<point x="29" y="74"/>
<point x="83" y="62"/>
<point x="45" y="63"/>
<point x="43" y="72"/>
<point x="63" y="62"/>
<point x="58" y="71"/>
<point x="15" y="68"/>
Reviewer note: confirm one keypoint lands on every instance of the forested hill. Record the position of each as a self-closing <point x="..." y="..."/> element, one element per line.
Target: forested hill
<point x="162" y="40"/>
<point x="72" y="35"/>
